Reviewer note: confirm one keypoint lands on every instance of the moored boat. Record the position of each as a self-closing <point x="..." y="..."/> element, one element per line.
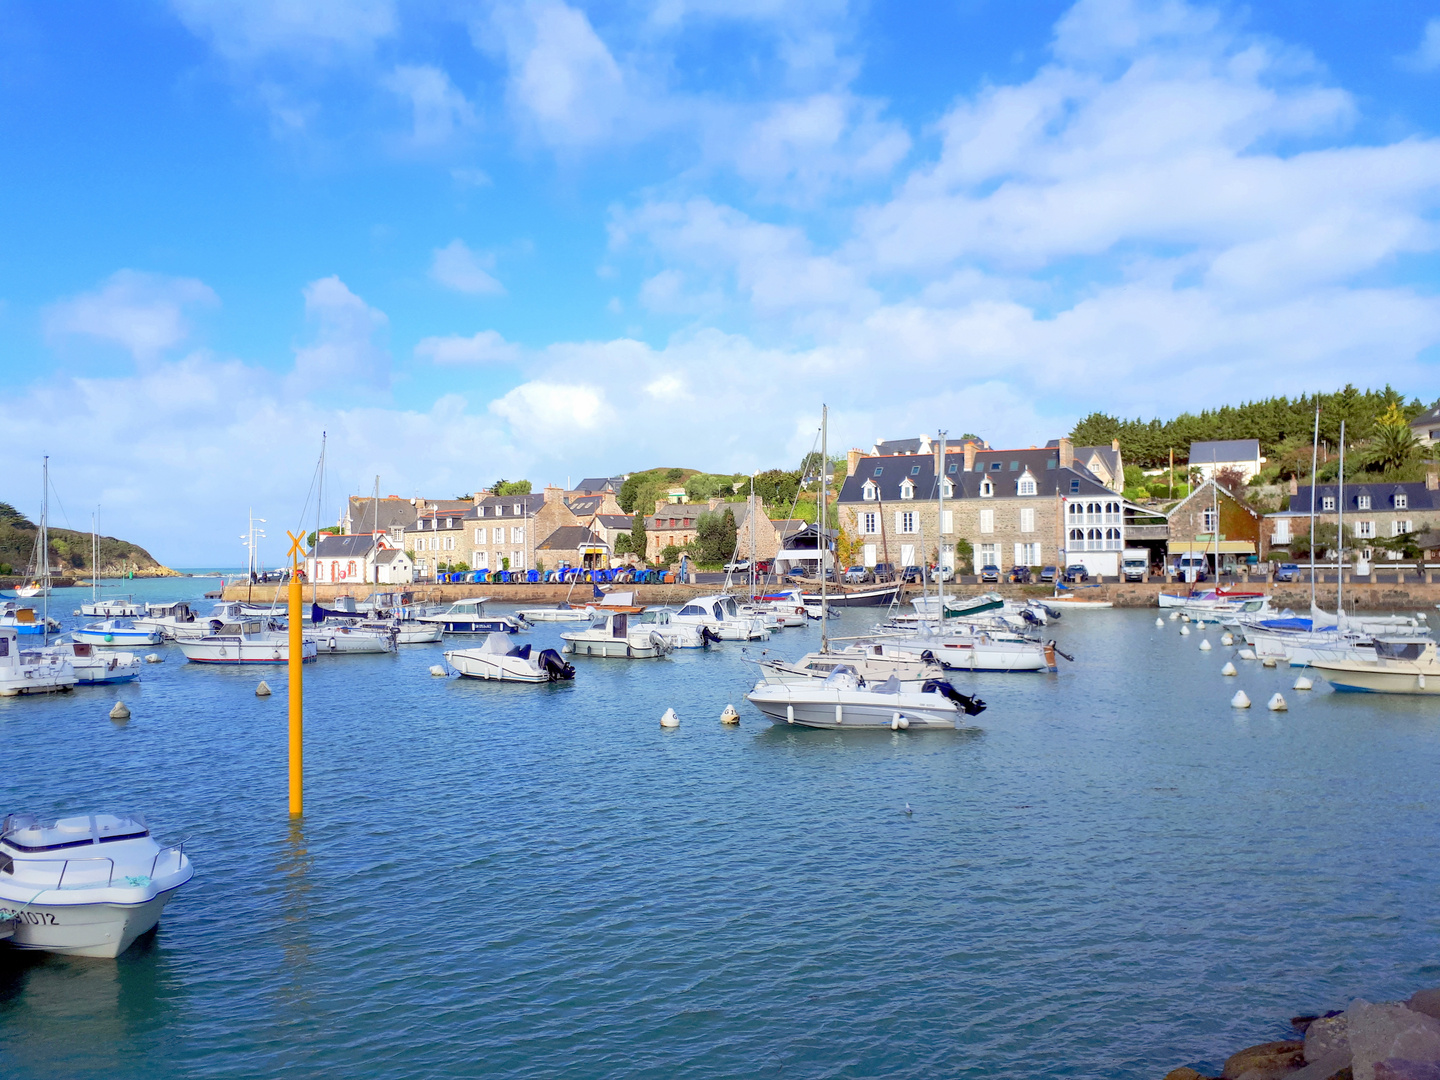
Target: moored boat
<point x="244" y="643"/>
<point x="94" y="667"/>
<point x="470" y="617"/>
<point x="122" y="607"/>
<point x="636" y="636"/>
<point x="117" y="633"/>
<point x="499" y="661"/>
<point x="31" y="672"/>
<point x="844" y="701"/>
<point x="1399" y="667"/>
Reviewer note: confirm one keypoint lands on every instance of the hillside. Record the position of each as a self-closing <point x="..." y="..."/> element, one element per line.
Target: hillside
<point x="70" y="550"/>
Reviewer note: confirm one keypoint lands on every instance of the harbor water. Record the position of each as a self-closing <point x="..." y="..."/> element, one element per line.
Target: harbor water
<point x="1111" y="874"/>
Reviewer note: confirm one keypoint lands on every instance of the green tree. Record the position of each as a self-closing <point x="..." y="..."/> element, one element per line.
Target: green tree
<point x="777" y="488"/>
<point x="1393" y="445"/>
<point x="511" y="487"/>
<point x="674" y="475"/>
<point x="670" y="555"/>
<point x="639" y="543"/>
<point x="715" y="536"/>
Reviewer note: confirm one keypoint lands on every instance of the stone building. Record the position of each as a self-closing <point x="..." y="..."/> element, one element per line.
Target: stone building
<point x="1031" y="507"/>
<point x="1193" y="525"/>
<point x="437" y="538"/>
<point x="574" y="545"/>
<point x="391" y="515"/>
<point x="1372" y="512"/>
<point x="672" y="523"/>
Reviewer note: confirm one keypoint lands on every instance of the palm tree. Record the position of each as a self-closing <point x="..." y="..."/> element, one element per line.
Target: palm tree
<point x="1393" y="446"/>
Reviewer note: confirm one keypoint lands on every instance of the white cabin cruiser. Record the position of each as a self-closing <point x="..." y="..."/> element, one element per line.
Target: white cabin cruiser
<point x="117" y="633"/>
<point x="86" y="885"/>
<point x="977" y="651"/>
<point x="31" y="672"/>
<point x="497" y="659"/>
<point x="23" y="620"/>
<point x="844" y="701"/>
<point x="560" y="613"/>
<point x="245" y="642"/>
<point x="721" y="615"/>
<point x="169" y="619"/>
<point x="1399" y="667"/>
<point x="122" y="607"/>
<point x="95" y="667"/>
<point x="336" y="637"/>
<point x="470" y="617"/>
<point x="406" y="631"/>
<point x="227" y="613"/>
<point x="868" y="661"/>
<point x="638" y="636"/>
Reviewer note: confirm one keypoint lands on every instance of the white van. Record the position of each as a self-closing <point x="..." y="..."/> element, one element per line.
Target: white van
<point x="1190" y="565"/>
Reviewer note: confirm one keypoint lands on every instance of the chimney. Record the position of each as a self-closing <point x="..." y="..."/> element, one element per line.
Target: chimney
<point x="1067" y="453"/>
<point x="554" y="494"/>
<point x="1294" y="485"/>
<point x="1115" y="445"/>
<point x="969" y="456"/>
<point x="852" y="461"/>
<point x="1432" y="481"/>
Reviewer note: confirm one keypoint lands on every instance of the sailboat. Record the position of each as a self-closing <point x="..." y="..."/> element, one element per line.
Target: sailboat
<point x="122" y="607"/>
<point x="39" y="569"/>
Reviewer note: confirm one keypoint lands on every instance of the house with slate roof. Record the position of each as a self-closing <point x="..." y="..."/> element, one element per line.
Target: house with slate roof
<point x="1426" y="426"/>
<point x="574" y="545"/>
<point x="340" y="560"/>
<point x="365" y="514"/>
<point x="1032" y="507"/>
<point x="437" y="539"/>
<point x="1103" y="461"/>
<point x="1372" y="511"/>
<point x="1212" y="457"/>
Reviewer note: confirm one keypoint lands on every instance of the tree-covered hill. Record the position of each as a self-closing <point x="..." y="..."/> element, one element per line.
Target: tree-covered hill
<point x="70" y="551"/>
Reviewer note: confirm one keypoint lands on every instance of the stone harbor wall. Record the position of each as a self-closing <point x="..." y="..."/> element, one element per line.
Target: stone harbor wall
<point x="1392" y="1040"/>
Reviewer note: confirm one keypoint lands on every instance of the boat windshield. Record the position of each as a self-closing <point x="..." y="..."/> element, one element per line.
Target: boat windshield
<point x="27" y="833"/>
<point x="1399" y="650"/>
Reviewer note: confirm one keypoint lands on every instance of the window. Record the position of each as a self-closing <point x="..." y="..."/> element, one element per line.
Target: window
<point x="1014" y="466"/>
<point x="987" y="520"/>
<point x="1112" y="508"/>
<point x="1027" y="519"/>
<point x="1281" y="535"/>
<point x="479" y="536"/>
<point x="947" y="522"/>
<point x="869" y="491"/>
<point x="1074" y="487"/>
<point x="989" y="554"/>
<point x="1327" y="503"/>
<point x="905" y="521"/>
<point x="915" y="471"/>
<point x="480" y="511"/>
<point x="1397" y="527"/>
<point x="517" y="509"/>
<point x="949" y="489"/>
<point x="996" y="466"/>
<point x="870" y="523"/>
<point x="517" y="534"/>
<point x="953" y="468"/>
<point x="449" y="543"/>
<point x="987" y="489"/>
<point x="907" y="489"/>
<point x="879" y="470"/>
<point x="1365" y="530"/>
<point x="449" y="523"/>
<point x="1402" y="502"/>
<point x="1207" y="523"/>
<point x="1026" y="485"/>
<point x="1027" y="554"/>
<point x="482" y="560"/>
<point x="499" y="534"/>
<point x="1362" y="502"/>
<point x="1077" y="539"/>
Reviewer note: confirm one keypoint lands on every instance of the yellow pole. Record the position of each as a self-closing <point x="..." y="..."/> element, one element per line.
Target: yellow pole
<point x="297" y="686"/>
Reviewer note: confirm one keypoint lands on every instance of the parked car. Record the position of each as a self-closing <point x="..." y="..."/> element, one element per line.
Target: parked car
<point x="1288" y="572"/>
<point x="1020" y="575"/>
<point x="942" y="573"/>
<point x="884" y="572"/>
<point x="854" y="575"/>
<point x="762" y="566"/>
<point x="737" y="565"/>
<point x="1076" y="572"/>
<point x="990" y="573"/>
<point x="911" y="575"/>
<point x="1048" y="574"/>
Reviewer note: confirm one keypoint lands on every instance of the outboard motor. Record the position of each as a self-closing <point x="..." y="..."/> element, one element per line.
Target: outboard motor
<point x="970" y="706"/>
<point x="708" y="636"/>
<point x="554" y="666"/>
<point x="1051" y="644"/>
<point x="1029" y="617"/>
<point x="1050" y="612"/>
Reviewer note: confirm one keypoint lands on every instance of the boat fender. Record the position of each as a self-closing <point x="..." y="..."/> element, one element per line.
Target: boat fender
<point x="222" y="650"/>
<point x="109" y="637"/>
<point x="275" y="654"/>
<point x="895" y="722"/>
<point x="1420" y="680"/>
<point x="332" y="644"/>
<point x="789" y="714"/>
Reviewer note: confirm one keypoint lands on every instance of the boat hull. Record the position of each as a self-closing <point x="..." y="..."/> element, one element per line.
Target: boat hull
<point x="117" y="639"/>
<point x="864" y="598"/>
<point x="852" y="710"/>
<point x="340" y="639"/>
<point x="614" y="648"/>
<point x="102" y="930"/>
<point x="1361" y="678"/>
<point x="201" y="651"/>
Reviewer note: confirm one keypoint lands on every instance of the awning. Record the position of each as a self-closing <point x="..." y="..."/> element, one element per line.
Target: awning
<point x="1204" y="547"/>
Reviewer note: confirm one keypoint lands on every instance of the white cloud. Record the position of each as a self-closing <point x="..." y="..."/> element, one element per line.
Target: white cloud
<point x="438" y="108"/>
<point x="485" y="347"/>
<point x="143" y="313"/>
<point x="1426" y="56"/>
<point x="457" y="267"/>
<point x="345" y="358"/>
<point x="245" y="30"/>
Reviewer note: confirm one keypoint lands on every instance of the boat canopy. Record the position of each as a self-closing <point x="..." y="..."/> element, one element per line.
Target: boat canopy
<point x="27" y="833"/>
<point x="1203" y="547"/>
<point x="1399" y="650"/>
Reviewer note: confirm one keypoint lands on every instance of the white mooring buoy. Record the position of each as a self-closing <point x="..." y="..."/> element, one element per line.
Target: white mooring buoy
<point x="1159" y="621"/>
<point x="1302" y="683"/>
<point x="730" y="715"/>
<point x="119" y="712"/>
<point x="1204" y="644"/>
<point x="1277" y="704"/>
<point x="154" y="658"/>
<point x="1246" y="654"/>
<point x="1269" y="661"/>
<point x="1184" y="617"/>
<point x="1227" y="638"/>
<point x="1228" y="669"/>
<point x="669" y="720"/>
<point x="1184" y="631"/>
<point x="436" y="669"/>
<point x="263" y="690"/>
<point x="1239" y="701"/>
<point x="1174" y="615"/>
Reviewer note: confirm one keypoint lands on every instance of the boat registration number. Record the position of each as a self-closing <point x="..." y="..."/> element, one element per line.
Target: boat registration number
<point x="34" y="918"/>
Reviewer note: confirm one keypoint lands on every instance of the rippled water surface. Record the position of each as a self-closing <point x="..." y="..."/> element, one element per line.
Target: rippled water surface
<point x="1114" y="874"/>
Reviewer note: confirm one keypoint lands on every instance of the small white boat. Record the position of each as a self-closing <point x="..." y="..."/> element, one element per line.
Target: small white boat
<point x="29" y="592"/>
<point x="244" y="643"/>
<point x="844" y="701"/>
<point x="470" y="617"/>
<point x="1074" y="602"/>
<point x="497" y="659"/>
<point x="86" y="885"/>
<point x="169" y="619"/>
<point x="1211" y="599"/>
<point x="868" y="661"/>
<point x="977" y="650"/>
<point x="722" y="617"/>
<point x="117" y="633"/>
<point x="561" y="613"/>
<point x="336" y="637"/>
<point x="123" y="607"/>
<point x="23" y="620"/>
<point x="93" y="667"/>
<point x="31" y="672"/>
<point x="406" y="631"/>
<point x="1399" y="667"/>
<point x="636" y="636"/>
<point x="226" y="613"/>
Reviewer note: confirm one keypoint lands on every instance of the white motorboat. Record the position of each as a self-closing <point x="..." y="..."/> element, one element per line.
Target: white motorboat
<point x="93" y="667"/>
<point x="1211" y="599"/>
<point x="87" y="885"/>
<point x="1399" y="667"/>
<point x="244" y="643"/>
<point x="1070" y="601"/>
<point x="498" y="660"/>
<point x="31" y="672"/>
<point x="169" y="619"/>
<point x="844" y="701"/>
<point x="470" y="617"/>
<point x="124" y="607"/>
<point x="868" y="661"/>
<point x="721" y="616"/>
<point x="682" y="635"/>
<point x="561" y="613"/>
<point x="228" y="613"/>
<point x="406" y="631"/>
<point x="636" y="635"/>
<point x="337" y="637"/>
<point x="928" y="607"/>
<point x="977" y="651"/>
<point x="783" y="612"/>
<point x="117" y="633"/>
<point x="23" y="620"/>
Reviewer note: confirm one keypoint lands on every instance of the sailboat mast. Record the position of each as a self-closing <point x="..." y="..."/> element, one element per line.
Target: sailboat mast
<point x="1215" y="519"/>
<point x="940" y="532"/>
<point x="750" y="515"/>
<point x="824" y="540"/>
<point x="94" y="550"/>
<point x="45" y="552"/>
<point x="374" y="528"/>
<point x="319" y="500"/>
<point x="1340" y="531"/>
<point x="1314" y="479"/>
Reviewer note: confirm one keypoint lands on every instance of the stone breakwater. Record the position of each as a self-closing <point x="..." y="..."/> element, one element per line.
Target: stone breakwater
<point x="1392" y="1040"/>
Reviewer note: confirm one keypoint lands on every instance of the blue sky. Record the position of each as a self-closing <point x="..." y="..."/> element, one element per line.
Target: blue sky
<point x="549" y="239"/>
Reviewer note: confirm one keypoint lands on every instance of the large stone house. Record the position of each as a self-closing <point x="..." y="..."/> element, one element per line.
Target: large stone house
<point x="672" y="523"/>
<point x="1372" y="511"/>
<point x="1031" y="507"/>
<point x="437" y="538"/>
<point x="1195" y="520"/>
<point x="391" y="515"/>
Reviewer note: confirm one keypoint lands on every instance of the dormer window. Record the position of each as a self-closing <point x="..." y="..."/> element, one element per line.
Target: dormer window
<point x="517" y="509"/>
<point x="1362" y="502"/>
<point x="1402" y="501"/>
<point x="1074" y="487"/>
<point x="449" y="523"/>
<point x="907" y="489"/>
<point x="480" y="511"/>
<point x="1327" y="503"/>
<point x="1025" y="485"/>
<point x="949" y="490"/>
<point x="987" y="489"/>
<point x="869" y="491"/>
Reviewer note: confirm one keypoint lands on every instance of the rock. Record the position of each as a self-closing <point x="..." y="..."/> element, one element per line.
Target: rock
<point x="1185" y="1073"/>
<point x="1389" y="1033"/>
<point x="1425" y="1001"/>
<point x="1268" y="1061"/>
<point x="1400" y="1069"/>
<point x="1326" y="1035"/>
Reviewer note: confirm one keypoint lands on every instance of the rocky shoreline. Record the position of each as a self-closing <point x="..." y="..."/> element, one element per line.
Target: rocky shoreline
<point x="1391" y="1040"/>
